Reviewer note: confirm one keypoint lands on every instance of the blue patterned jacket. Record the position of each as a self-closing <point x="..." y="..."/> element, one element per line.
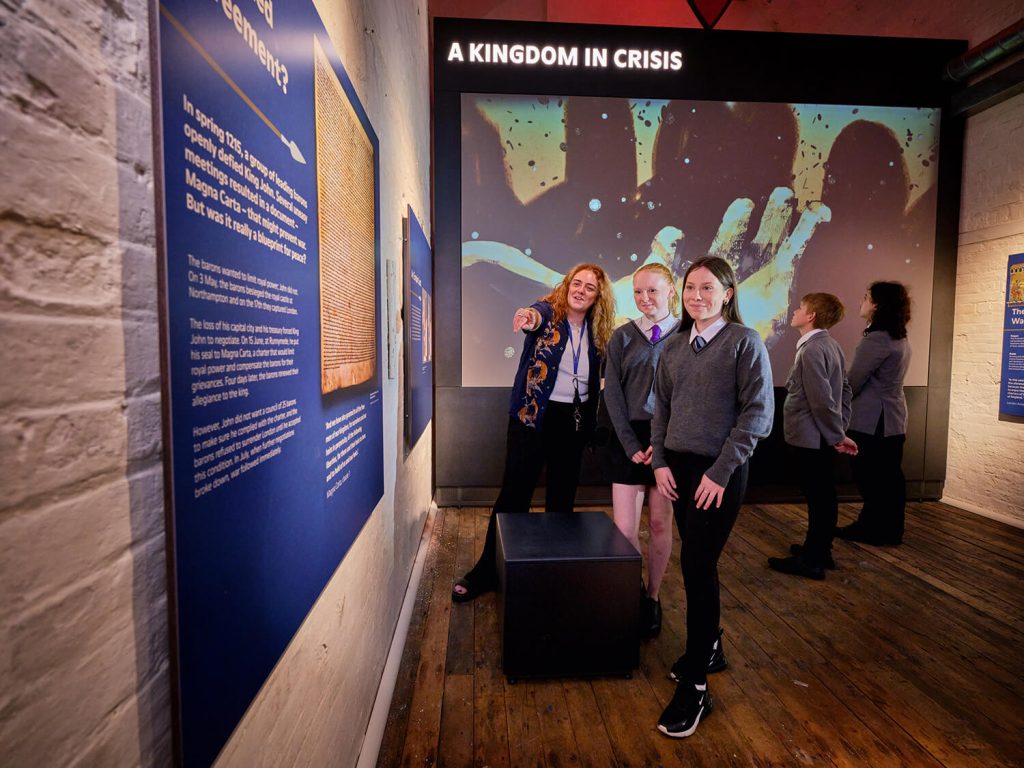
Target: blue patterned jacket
<point x="538" y="369"/>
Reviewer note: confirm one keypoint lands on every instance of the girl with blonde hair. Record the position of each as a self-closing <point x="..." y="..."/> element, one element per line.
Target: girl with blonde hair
<point x="633" y="353"/>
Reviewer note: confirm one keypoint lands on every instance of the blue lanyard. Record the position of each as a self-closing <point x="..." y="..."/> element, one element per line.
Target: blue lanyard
<point x="576" y="352"/>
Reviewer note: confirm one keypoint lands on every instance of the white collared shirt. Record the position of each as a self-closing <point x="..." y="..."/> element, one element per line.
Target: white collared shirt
<point x="804" y="338"/>
<point x="566" y="381"/>
<point x="710" y="332"/>
<point x="667" y="325"/>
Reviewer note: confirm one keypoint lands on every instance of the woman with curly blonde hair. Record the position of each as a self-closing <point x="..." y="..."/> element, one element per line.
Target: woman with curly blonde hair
<point x="554" y="400"/>
<point x="602" y="312"/>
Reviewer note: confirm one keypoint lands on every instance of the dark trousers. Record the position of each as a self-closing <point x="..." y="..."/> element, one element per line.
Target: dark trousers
<point x="878" y="472"/>
<point x="703" y="533"/>
<point x="817" y="467"/>
<point x="556" y="445"/>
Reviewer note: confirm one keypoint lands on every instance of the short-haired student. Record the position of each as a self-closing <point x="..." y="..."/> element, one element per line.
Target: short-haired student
<point x="815" y="416"/>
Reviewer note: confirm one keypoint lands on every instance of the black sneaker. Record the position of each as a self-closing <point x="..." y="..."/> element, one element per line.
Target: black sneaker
<point x="716" y="663"/>
<point x="684" y="712"/>
<point x="798" y="550"/>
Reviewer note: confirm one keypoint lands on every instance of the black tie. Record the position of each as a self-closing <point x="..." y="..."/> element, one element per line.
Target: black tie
<point x="698" y="343"/>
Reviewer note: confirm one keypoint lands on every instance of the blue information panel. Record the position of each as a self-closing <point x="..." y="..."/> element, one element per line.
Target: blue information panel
<point x="419" y="331"/>
<point x="272" y="255"/>
<point x="1011" y="386"/>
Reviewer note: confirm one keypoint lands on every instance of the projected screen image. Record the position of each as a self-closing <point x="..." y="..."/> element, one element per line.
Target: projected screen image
<point x="797" y="197"/>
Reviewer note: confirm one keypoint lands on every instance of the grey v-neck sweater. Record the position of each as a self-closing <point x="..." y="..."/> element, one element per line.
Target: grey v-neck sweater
<point x="629" y="380"/>
<point x="717" y="402"/>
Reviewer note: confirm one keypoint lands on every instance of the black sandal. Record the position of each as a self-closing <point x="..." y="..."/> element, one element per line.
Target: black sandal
<point x="473" y="590"/>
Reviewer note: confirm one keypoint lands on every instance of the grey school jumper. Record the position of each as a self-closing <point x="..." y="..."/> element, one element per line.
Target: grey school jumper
<point x="716" y="402"/>
<point x="817" y="394"/>
<point x="629" y="380"/>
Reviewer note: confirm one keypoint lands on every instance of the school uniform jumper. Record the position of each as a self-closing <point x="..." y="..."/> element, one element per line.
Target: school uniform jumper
<point x="629" y="397"/>
<point x="814" y="418"/>
<point x="878" y="425"/>
<point x="711" y="408"/>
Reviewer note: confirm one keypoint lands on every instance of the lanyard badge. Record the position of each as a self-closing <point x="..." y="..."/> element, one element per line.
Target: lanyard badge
<point x="576" y="351"/>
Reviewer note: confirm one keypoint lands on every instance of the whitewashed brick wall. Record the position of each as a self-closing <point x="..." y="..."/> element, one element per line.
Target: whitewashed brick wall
<point x="83" y="628"/>
<point x="984" y="460"/>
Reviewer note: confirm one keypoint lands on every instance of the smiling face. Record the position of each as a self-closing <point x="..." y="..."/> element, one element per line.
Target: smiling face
<point x="652" y="292"/>
<point x="703" y="297"/>
<point x="583" y="289"/>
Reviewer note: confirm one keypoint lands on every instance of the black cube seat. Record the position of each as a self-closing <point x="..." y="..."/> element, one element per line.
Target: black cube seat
<point x="569" y="596"/>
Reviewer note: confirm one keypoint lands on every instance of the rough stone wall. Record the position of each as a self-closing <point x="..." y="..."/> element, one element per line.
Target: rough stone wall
<point x="83" y="628"/>
<point x="983" y="472"/>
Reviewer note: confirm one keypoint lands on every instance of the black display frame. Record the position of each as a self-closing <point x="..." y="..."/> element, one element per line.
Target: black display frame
<point x="721" y="66"/>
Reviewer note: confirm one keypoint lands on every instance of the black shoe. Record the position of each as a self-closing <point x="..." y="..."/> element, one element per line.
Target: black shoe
<point x="855" y="532"/>
<point x="685" y="711"/>
<point x="650" y="617"/>
<point x="716" y="663"/>
<point x="798" y="550"/>
<point x="796" y="566"/>
<point x="851" y="532"/>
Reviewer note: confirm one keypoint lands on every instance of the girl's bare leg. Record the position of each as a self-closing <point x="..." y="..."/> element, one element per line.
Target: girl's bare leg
<point x="660" y="549"/>
<point x="627" y="502"/>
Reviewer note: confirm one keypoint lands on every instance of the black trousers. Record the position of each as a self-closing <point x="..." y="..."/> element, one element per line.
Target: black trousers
<point x="558" y="446"/>
<point x="817" y="467"/>
<point x="703" y="533"/>
<point x="878" y="472"/>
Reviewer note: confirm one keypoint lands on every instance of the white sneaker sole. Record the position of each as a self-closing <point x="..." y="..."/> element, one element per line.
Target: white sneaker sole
<point x="688" y="732"/>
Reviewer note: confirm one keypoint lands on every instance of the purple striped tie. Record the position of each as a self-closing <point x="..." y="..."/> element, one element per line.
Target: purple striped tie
<point x="655" y="333"/>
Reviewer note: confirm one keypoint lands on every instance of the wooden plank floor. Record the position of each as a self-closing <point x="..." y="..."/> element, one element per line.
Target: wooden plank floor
<point x="906" y="656"/>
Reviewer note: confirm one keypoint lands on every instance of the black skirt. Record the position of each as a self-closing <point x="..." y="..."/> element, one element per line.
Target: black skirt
<point x="623" y="470"/>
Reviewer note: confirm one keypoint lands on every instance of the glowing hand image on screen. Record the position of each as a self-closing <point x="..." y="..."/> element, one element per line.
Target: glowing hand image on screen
<point x="548" y="182"/>
<point x="765" y="292"/>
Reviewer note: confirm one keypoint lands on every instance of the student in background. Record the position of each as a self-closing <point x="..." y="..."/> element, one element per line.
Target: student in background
<point x="879" y="421"/>
<point x="713" y="402"/>
<point x="554" y="398"/>
<point x="814" y="418"/>
<point x="633" y="354"/>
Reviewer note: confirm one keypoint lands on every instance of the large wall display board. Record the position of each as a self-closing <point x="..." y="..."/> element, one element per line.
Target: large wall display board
<point x="1011" y="385"/>
<point x="810" y="163"/>
<point x="419" y="331"/>
<point x="271" y="277"/>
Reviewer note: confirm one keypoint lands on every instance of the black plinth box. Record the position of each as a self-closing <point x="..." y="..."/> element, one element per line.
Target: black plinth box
<point x="569" y="596"/>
